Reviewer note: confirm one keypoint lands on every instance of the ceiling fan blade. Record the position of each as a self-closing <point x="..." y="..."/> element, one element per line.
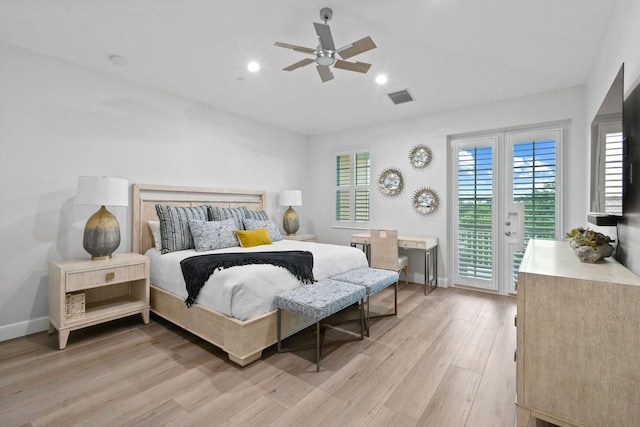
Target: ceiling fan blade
<point x="356" y="48"/>
<point x="360" y="67"/>
<point x="296" y="48"/>
<point x="324" y="33"/>
<point x="298" y="64"/>
<point x="325" y="73"/>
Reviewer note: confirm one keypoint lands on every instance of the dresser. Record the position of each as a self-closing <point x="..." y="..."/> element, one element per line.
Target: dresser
<point x="83" y="292"/>
<point x="578" y="339"/>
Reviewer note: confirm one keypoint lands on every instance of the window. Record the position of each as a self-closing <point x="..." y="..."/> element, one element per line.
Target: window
<point x="475" y="212"/>
<point x="352" y="187"/>
<point x="613" y="173"/>
<point x="609" y="169"/>
<point x="534" y="185"/>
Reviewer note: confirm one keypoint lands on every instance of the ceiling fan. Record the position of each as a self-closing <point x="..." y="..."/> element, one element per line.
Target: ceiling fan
<point x="327" y="55"/>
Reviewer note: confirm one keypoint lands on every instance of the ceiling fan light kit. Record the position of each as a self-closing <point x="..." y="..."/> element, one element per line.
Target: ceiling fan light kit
<point x="326" y="54"/>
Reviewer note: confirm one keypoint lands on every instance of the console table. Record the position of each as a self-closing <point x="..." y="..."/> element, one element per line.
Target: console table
<point x="578" y="339"/>
<point x="405" y="241"/>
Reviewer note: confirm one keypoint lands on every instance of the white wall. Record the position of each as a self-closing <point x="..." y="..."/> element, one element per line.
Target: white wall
<point x="59" y="121"/>
<point x="390" y="144"/>
<point x="620" y="45"/>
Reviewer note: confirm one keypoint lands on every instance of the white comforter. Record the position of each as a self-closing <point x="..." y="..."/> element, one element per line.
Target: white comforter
<point x="249" y="291"/>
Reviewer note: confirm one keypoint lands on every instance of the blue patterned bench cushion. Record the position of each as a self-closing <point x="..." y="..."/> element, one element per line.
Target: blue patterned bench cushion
<point x="320" y="299"/>
<point x="374" y="279"/>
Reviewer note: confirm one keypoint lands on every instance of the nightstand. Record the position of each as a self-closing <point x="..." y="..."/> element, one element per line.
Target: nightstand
<point x="301" y="237"/>
<point x="83" y="292"/>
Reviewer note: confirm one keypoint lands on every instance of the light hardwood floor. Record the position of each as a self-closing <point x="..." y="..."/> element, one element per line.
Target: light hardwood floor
<point x="445" y="360"/>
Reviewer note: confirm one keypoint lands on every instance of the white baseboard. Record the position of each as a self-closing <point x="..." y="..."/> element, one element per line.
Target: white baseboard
<point x="20" y="329"/>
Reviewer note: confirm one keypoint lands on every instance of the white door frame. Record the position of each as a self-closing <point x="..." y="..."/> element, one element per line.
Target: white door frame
<point x="502" y="183"/>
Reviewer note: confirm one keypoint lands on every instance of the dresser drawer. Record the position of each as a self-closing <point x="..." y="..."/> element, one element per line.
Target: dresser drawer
<point x="78" y="280"/>
<point x="410" y="244"/>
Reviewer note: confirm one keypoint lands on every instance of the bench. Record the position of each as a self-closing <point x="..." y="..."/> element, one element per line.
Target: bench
<point x="373" y="280"/>
<point x="318" y="301"/>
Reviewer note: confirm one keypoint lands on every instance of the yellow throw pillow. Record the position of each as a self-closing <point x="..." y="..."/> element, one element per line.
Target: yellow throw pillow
<point x="257" y="237"/>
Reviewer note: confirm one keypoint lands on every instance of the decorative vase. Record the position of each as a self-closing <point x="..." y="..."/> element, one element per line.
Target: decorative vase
<point x="591" y="254"/>
<point x="574" y="244"/>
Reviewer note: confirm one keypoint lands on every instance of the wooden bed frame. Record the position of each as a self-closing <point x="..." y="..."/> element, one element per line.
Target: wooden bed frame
<point x="242" y="340"/>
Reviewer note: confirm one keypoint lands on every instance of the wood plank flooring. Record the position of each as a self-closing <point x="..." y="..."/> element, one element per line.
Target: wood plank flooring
<point x="445" y="360"/>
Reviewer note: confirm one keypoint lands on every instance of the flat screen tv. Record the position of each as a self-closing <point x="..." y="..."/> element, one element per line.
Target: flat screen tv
<point x="628" y="252"/>
<point x="631" y="154"/>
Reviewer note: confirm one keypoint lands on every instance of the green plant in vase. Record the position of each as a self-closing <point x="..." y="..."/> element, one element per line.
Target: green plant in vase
<point x="590" y="246"/>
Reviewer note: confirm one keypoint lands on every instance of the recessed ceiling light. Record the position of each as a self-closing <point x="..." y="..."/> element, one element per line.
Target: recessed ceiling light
<point x="253" y="66"/>
<point x="117" y="60"/>
<point x="381" y="79"/>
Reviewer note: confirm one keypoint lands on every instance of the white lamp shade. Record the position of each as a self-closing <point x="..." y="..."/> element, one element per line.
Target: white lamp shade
<point x="290" y="198"/>
<point x="102" y="191"/>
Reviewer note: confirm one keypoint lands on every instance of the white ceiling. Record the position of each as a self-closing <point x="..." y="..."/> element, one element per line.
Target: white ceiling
<point x="448" y="53"/>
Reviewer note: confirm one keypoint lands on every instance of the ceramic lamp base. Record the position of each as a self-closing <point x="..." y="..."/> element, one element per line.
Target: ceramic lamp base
<point x="101" y="234"/>
<point x="290" y="221"/>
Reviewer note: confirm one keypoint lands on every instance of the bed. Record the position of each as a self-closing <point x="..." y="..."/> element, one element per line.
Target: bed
<point x="243" y="338"/>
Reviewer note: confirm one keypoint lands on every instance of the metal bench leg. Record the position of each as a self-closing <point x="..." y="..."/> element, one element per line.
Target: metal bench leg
<point x="362" y="318"/>
<point x="318" y="346"/>
<point x="368" y="316"/>
<point x="366" y="320"/>
<point x="395" y="299"/>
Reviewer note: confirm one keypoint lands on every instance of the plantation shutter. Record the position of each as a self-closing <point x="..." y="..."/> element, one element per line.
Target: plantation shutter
<point x="475" y="212"/>
<point x="343" y="180"/>
<point x="613" y="173"/>
<point x="353" y="199"/>
<point x="534" y="184"/>
<point x="361" y="194"/>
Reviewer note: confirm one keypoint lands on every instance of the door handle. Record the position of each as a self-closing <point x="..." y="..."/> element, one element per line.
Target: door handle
<point x="507" y="233"/>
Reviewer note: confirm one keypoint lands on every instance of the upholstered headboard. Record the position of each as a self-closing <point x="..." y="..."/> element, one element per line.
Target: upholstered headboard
<point x="145" y="198"/>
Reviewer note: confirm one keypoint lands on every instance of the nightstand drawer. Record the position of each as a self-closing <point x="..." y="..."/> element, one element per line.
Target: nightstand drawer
<point x="79" y="280"/>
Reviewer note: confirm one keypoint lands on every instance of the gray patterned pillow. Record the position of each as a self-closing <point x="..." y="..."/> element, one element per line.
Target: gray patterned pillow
<point x="210" y="235"/>
<point x="272" y="229"/>
<point x="174" y="225"/>
<point x="260" y="215"/>
<point x="238" y="214"/>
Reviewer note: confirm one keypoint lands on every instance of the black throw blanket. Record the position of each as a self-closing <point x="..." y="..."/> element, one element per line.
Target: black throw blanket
<point x="197" y="269"/>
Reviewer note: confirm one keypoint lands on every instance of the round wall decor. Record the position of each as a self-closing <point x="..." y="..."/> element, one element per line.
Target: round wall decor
<point x="420" y="156"/>
<point x="425" y="201"/>
<point x="390" y="182"/>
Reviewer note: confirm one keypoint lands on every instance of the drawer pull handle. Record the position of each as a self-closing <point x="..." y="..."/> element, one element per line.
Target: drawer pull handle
<point x="110" y="275"/>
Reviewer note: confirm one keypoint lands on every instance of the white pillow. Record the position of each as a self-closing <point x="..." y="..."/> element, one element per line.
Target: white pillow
<point x="155" y="231"/>
<point x="210" y="235"/>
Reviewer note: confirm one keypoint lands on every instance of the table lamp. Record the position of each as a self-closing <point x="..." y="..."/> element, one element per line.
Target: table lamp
<point x="290" y="220"/>
<point x="102" y="231"/>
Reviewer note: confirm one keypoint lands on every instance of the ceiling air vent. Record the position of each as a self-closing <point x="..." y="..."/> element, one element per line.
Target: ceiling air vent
<point x="401" y="97"/>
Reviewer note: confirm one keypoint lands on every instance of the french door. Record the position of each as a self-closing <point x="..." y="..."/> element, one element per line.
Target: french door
<point x="507" y="191"/>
